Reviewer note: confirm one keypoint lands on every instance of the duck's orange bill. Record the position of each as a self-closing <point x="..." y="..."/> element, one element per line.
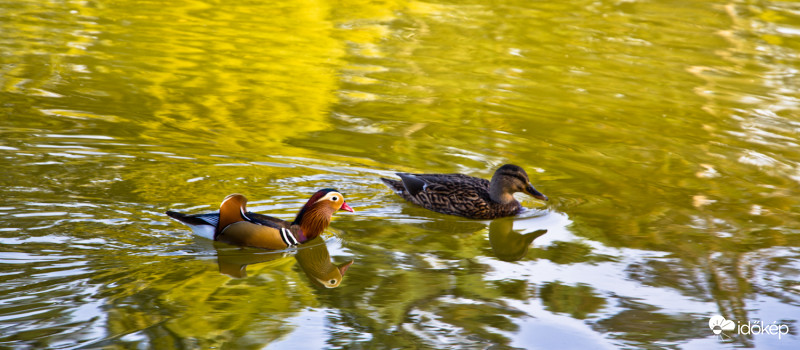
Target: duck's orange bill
<point x="347" y="207"/>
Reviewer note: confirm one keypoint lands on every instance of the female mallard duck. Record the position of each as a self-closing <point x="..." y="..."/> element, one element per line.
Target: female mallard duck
<point x="467" y="196"/>
<point x="235" y="225"/>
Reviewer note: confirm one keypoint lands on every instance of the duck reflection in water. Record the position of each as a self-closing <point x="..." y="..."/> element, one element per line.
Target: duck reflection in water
<point x="316" y="262"/>
<point x="507" y="244"/>
<point x="312" y="256"/>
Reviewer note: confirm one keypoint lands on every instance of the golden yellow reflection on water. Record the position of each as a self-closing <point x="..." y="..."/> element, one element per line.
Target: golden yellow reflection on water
<point x="665" y="136"/>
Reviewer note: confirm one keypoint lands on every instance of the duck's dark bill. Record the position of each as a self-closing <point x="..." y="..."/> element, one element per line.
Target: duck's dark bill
<point x="536" y="194"/>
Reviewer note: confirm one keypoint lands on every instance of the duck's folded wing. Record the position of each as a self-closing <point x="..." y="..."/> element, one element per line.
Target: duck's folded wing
<point x="412" y="183"/>
<point x="267" y="220"/>
<point x="452" y="179"/>
<point x="212" y="219"/>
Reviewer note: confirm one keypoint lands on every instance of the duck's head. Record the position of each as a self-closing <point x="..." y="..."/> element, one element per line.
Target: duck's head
<point x="327" y="200"/>
<point x="509" y="179"/>
<point x="316" y="213"/>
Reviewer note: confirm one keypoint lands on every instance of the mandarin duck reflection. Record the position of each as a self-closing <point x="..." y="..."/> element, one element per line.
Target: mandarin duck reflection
<point x="312" y="256"/>
<point x="507" y="244"/>
<point x="235" y="225"/>
<point x="467" y="196"/>
<point x="316" y="262"/>
<point x="233" y="261"/>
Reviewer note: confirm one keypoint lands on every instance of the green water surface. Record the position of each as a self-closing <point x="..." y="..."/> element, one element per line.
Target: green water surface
<point x="664" y="132"/>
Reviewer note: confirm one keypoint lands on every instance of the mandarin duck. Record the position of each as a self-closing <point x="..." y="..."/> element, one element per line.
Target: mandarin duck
<point x="235" y="225"/>
<point x="467" y="196"/>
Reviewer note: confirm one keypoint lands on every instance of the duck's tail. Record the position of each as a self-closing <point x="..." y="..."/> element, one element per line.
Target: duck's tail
<point x="202" y="225"/>
<point x="395" y="185"/>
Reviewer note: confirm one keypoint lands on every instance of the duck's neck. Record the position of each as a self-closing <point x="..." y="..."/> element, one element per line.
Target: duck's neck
<point x="498" y="194"/>
<point x="312" y="222"/>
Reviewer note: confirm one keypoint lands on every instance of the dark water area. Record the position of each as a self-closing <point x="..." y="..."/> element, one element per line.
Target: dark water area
<point x="664" y="134"/>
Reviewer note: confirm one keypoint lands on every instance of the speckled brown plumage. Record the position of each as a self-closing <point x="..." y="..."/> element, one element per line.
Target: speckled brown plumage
<point x="467" y="196"/>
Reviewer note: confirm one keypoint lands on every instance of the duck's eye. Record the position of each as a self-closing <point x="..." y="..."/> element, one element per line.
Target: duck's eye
<point x="332" y="281"/>
<point x="334" y="198"/>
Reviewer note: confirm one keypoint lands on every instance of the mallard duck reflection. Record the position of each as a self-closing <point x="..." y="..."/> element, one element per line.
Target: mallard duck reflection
<point x="507" y="244"/>
<point x="312" y="256"/>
